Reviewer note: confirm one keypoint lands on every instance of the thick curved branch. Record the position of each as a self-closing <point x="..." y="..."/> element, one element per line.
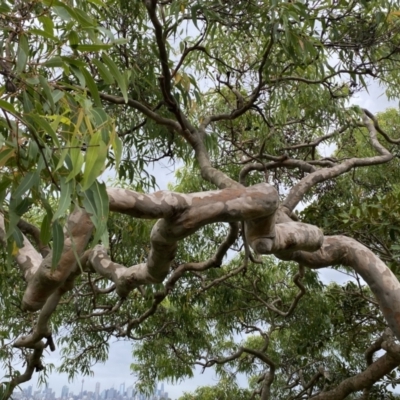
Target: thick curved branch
<point x="182" y="215"/>
<point x="45" y="281"/>
<point x="341" y="250"/>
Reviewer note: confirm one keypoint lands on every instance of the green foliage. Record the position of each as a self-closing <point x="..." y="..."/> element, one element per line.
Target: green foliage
<point x="84" y="91"/>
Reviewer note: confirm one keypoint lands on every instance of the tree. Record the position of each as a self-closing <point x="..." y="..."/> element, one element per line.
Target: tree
<point x="242" y="94"/>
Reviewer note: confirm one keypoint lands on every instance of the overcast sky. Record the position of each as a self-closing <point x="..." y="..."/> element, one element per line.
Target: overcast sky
<point x="116" y="370"/>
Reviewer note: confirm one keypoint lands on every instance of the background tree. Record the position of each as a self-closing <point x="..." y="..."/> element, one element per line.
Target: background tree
<point x="243" y="94"/>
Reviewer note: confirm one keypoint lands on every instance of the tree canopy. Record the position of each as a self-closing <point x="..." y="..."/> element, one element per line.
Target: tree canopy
<point x="242" y="97"/>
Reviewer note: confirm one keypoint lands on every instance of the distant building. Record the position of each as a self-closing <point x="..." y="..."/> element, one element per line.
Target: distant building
<point x="97" y="391"/>
<point x="122" y="389"/>
<point x="64" y="392"/>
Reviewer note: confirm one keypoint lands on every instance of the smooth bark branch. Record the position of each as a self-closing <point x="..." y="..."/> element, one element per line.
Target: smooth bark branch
<point x="27" y="257"/>
<point x="32" y="230"/>
<point x="33" y="364"/>
<point x="289" y="237"/>
<point x="379" y="129"/>
<point x="289" y="164"/>
<point x="208" y="172"/>
<point x="42" y="329"/>
<point x="182" y="215"/>
<point x="298" y="191"/>
<point x="341" y="250"/>
<point x="45" y="281"/>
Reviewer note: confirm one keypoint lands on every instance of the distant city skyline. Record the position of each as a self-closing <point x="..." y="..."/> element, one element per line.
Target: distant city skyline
<point x="124" y="392"/>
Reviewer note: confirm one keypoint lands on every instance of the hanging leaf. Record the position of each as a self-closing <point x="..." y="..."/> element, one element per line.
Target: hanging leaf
<point x="96" y="203"/>
<point x="29" y="180"/>
<point x="47" y="92"/>
<point x="104" y="72"/>
<point x="117" y="146"/>
<point x="45" y="229"/>
<point x="92" y="47"/>
<point x="58" y="244"/>
<point x="65" y="198"/>
<point x="5" y="105"/>
<point x="95" y="160"/>
<point x="91" y="84"/>
<point x="23" y="53"/>
<point x="117" y="75"/>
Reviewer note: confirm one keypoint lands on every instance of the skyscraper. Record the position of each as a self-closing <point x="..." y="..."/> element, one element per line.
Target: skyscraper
<point x="122" y="389"/>
<point x="97" y="391"/>
<point x="64" y="392"/>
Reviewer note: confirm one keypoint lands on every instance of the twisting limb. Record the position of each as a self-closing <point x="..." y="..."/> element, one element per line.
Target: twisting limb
<point x="45" y="289"/>
<point x="341" y="250"/>
<point x="379" y="129"/>
<point x="44" y="281"/>
<point x="369" y="353"/>
<point x="33" y="364"/>
<point x="182" y="215"/>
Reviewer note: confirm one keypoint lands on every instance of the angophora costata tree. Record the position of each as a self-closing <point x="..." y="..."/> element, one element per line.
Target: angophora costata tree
<point x="243" y="92"/>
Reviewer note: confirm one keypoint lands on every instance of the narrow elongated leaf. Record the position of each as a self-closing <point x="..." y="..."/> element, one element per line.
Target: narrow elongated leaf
<point x="13" y="219"/>
<point x="28" y="106"/>
<point x="92" y="47"/>
<point x="96" y="203"/>
<point x="48" y="24"/>
<point x="116" y="144"/>
<point x="95" y="160"/>
<point x="58" y="244"/>
<point x="5" y="183"/>
<point x="7" y="106"/>
<point x="40" y="32"/>
<point x="54" y="62"/>
<point x="19" y="240"/>
<point x="45" y="229"/>
<point x="117" y="75"/>
<point x="90" y="204"/>
<point x="65" y="199"/>
<point x="90" y="83"/>
<point x="45" y="126"/>
<point x="76" y="157"/>
<point x="23" y="53"/>
<point x="47" y="92"/>
<point x="104" y="72"/>
<point x="5" y="155"/>
<point x="29" y="180"/>
<point x="102" y="206"/>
